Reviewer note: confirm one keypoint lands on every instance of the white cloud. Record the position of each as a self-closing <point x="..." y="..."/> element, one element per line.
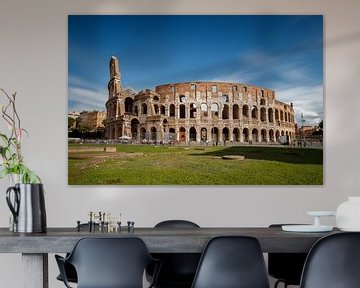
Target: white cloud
<point x="85" y="96"/>
<point x="306" y="100"/>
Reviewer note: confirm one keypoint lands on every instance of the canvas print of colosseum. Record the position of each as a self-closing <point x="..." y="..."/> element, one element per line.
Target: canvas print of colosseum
<point x="195" y="100"/>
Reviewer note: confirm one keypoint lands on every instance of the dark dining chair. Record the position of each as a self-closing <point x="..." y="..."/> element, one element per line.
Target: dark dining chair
<point x="232" y="262"/>
<point x="178" y="269"/>
<point x="333" y="262"/>
<point x="286" y="267"/>
<point x="108" y="263"/>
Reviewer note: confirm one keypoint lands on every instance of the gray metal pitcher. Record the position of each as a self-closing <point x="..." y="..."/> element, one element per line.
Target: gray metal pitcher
<point x="28" y="208"/>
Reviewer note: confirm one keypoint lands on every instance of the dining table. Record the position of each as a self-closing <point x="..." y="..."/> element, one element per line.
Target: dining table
<point x="35" y="247"/>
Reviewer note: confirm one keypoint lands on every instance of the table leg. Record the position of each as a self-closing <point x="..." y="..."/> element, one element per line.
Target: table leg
<point x="35" y="270"/>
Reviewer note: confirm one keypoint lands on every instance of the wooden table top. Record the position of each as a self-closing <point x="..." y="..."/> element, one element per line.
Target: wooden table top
<point x="158" y="240"/>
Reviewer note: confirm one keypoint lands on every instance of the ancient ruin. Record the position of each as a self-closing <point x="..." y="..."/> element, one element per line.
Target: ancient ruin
<point x="196" y="112"/>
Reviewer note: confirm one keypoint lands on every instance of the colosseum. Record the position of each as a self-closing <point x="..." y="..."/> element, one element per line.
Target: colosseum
<point x="196" y="112"/>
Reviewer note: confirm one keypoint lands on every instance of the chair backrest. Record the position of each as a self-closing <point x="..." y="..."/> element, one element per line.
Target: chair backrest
<point x="286" y="266"/>
<point x="178" y="269"/>
<point x="176" y="224"/>
<point x="110" y="262"/>
<point x="232" y="262"/>
<point x="333" y="262"/>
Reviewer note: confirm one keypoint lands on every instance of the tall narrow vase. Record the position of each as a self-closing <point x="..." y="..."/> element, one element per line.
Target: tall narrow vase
<point x="348" y="214"/>
<point x="27" y="204"/>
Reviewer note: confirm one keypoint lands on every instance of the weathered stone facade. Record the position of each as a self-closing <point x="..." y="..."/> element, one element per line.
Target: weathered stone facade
<point x="207" y="112"/>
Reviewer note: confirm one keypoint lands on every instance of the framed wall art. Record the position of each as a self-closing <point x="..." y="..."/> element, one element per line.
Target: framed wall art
<point x="195" y="100"/>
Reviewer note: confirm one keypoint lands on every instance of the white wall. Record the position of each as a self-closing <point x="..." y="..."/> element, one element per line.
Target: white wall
<point x="33" y="62"/>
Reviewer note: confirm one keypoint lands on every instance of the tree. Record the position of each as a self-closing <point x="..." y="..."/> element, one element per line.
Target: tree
<point x="71" y="122"/>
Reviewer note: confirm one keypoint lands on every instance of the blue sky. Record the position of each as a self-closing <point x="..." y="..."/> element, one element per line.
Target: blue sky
<point x="284" y="53"/>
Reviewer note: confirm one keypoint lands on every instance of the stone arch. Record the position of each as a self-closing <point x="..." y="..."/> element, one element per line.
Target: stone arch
<point x="162" y="110"/>
<point x="214" y="110"/>
<point x="282" y="133"/>
<point x="224" y="98"/>
<point x="225" y="134"/>
<point x="215" y="134"/>
<point x="129" y="105"/>
<point x="182" y="111"/>
<point x="263" y="135"/>
<point x="254" y="113"/>
<point x="134" y="128"/>
<point x="271" y="115"/>
<point x="142" y="133"/>
<point x="204" y="110"/>
<point x="203" y="134"/>
<point x="153" y="134"/>
<point x="144" y="109"/>
<point x="277" y="135"/>
<point x="193" y="110"/>
<point x="165" y="124"/>
<point x="255" y="135"/>
<point x="156" y="109"/>
<point x="192" y="134"/>
<point x="156" y="98"/>
<point x="271" y="136"/>
<point x="245" y="111"/>
<point x="262" y="101"/>
<point x="225" y="112"/>
<point x="245" y="135"/>
<point x="236" y="135"/>
<point x="172" y="110"/>
<point x="281" y="115"/>
<point x="182" y="134"/>
<point x="236" y="111"/>
<point x="286" y="117"/>
<point x="263" y="114"/>
<point x="182" y="98"/>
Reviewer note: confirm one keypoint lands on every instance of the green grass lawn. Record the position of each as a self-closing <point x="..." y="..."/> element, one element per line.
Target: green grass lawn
<point x="149" y="165"/>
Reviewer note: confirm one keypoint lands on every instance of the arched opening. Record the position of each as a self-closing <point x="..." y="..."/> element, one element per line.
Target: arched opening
<point x="263" y="114"/>
<point x="204" y="110"/>
<point x="263" y="135"/>
<point x="142" y="134"/>
<point x="262" y="101"/>
<point x="128" y="105"/>
<point x="255" y="135"/>
<point x="214" y="110"/>
<point x="286" y="117"/>
<point x="156" y="98"/>
<point x="277" y="135"/>
<point x="165" y="123"/>
<point x="172" y="130"/>
<point x="192" y="134"/>
<point x="162" y="110"/>
<point x="236" y="135"/>
<point x="192" y="110"/>
<point x="172" y="110"/>
<point x="203" y="134"/>
<point x="236" y="111"/>
<point x="156" y="109"/>
<point x="245" y="111"/>
<point x="182" y="98"/>
<point x="153" y="134"/>
<point x="215" y="135"/>
<point x="182" y="134"/>
<point x="246" y="135"/>
<point x="254" y="113"/>
<point x="281" y="116"/>
<point x="282" y="133"/>
<point x="182" y="111"/>
<point x="144" y="109"/>
<point x="225" y="112"/>
<point x="271" y="115"/>
<point x="224" y="98"/>
<point x="276" y="115"/>
<point x="271" y="135"/>
<point x="225" y="134"/>
<point x="134" y="128"/>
